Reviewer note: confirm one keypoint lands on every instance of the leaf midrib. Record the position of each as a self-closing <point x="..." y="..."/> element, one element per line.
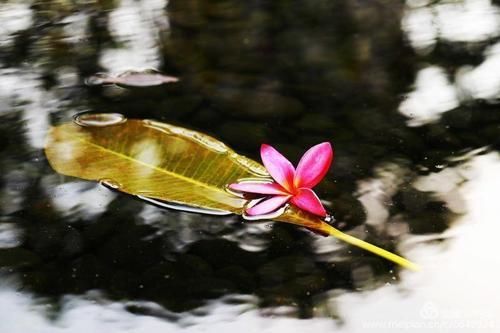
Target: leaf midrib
<point x="173" y="174"/>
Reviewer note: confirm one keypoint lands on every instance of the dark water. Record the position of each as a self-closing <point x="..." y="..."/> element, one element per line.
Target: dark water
<point x="407" y="93"/>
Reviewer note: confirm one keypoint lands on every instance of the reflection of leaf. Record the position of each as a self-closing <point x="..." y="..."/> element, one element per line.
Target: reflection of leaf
<point x="164" y="162"/>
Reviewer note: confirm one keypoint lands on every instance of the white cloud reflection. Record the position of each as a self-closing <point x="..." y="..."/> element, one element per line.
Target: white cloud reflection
<point x="15" y="17"/>
<point x="79" y="199"/>
<point x="468" y="22"/>
<point x="457" y="21"/>
<point x="420" y="29"/>
<point x="21" y="89"/>
<point x="10" y="235"/>
<point x="137" y="25"/>
<point x="82" y="315"/>
<point x="433" y="95"/>
<point x="482" y="81"/>
<point x="457" y="287"/>
<point x="75" y="28"/>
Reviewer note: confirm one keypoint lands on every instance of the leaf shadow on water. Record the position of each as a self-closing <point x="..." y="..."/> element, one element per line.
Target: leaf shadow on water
<point x="277" y="93"/>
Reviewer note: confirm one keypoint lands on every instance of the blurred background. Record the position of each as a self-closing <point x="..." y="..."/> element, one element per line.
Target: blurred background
<point x="407" y="92"/>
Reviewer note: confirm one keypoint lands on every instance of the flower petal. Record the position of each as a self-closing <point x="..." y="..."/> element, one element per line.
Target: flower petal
<point x="314" y="165"/>
<point x="268" y="205"/>
<point x="307" y="200"/>
<point x="278" y="166"/>
<point x="258" y="188"/>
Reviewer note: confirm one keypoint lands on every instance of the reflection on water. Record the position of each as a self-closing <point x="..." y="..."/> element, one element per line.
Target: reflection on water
<point x="465" y="28"/>
<point x="407" y="94"/>
<point x="137" y="26"/>
<point x="79" y="200"/>
<point x="79" y="314"/>
<point x="184" y="208"/>
<point x="446" y="295"/>
<point x="433" y="95"/>
<point x="460" y="21"/>
<point x="15" y="17"/>
<point x="481" y="81"/>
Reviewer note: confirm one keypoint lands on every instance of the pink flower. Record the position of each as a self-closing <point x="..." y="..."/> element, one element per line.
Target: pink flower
<point x="290" y="185"/>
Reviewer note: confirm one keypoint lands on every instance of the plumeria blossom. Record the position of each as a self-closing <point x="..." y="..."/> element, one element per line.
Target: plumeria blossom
<point x="290" y="185"/>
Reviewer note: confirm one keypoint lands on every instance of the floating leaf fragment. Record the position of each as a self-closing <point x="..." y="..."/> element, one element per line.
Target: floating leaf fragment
<point x="146" y="78"/>
<point x="173" y="166"/>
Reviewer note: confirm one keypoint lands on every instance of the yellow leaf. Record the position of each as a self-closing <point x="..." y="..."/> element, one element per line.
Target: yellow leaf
<point x="158" y="161"/>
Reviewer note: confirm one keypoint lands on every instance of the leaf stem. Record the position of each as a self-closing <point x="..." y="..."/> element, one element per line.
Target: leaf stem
<point x="370" y="247"/>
